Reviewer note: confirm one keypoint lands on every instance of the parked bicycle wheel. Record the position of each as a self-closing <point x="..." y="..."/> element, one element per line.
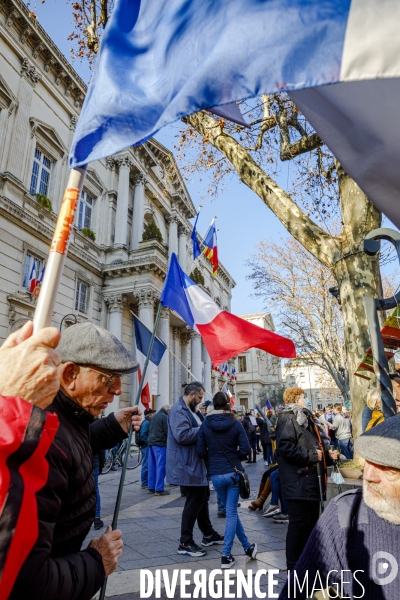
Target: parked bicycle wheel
<point x="134" y="457"/>
<point x="109" y="459"/>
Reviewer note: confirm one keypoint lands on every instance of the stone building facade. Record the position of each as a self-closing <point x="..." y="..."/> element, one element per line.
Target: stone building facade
<point x="108" y="278"/>
<point x="258" y="373"/>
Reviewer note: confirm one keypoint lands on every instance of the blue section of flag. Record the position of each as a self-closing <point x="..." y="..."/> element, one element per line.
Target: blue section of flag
<point x="225" y="388"/>
<point x="162" y="60"/>
<point x="195" y="241"/>
<point x="210" y="236"/>
<point x="268" y="404"/>
<point x="143" y="337"/>
<point x="173" y="294"/>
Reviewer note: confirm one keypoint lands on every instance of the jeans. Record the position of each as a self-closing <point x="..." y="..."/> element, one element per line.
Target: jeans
<point x="145" y="465"/>
<point x="252" y="441"/>
<point x="303" y="515"/>
<point x="95" y="473"/>
<point x="156" y="460"/>
<point x="228" y="491"/>
<point x="195" y="509"/>
<point x="277" y="492"/>
<point x="346" y="447"/>
<point x="220" y="506"/>
<point x="268" y="457"/>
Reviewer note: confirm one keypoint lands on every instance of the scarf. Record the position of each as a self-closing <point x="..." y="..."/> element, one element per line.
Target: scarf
<point x="302" y="416"/>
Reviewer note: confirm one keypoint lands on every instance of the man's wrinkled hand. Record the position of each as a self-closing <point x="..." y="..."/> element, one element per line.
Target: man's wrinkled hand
<point x="126" y="416"/>
<point x="29" y="365"/>
<point x="109" y="546"/>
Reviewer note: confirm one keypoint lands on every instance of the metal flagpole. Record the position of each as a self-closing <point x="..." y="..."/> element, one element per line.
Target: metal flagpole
<point x="59" y="248"/>
<point x="123" y="472"/>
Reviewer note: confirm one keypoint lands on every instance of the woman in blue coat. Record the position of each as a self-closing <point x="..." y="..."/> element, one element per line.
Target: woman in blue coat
<point x="223" y="443"/>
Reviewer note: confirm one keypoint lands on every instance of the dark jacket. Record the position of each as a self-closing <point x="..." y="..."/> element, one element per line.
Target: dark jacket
<point x="265" y="438"/>
<point x="184" y="465"/>
<point x="99" y="460"/>
<point x="144" y="431"/>
<point x="56" y="568"/>
<point x="224" y="427"/>
<point x="249" y="428"/>
<point x="297" y="457"/>
<point x="158" y="429"/>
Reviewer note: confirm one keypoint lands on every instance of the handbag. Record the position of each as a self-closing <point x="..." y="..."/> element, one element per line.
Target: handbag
<point x="243" y="479"/>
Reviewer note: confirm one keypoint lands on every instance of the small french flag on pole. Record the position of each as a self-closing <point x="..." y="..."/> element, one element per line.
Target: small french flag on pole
<point x="142" y="338"/>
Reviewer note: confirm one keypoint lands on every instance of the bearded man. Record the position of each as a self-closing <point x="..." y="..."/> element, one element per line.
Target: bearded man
<point x="187" y="469"/>
<point x="355" y="547"/>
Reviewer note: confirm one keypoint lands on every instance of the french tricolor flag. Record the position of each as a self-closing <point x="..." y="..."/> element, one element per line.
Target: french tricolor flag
<point x="143" y="337"/>
<point x="33" y="276"/>
<point x="225" y="335"/>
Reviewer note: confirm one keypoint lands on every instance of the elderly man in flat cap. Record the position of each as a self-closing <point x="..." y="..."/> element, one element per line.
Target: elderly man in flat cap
<point x="355" y="546"/>
<point x="92" y="364"/>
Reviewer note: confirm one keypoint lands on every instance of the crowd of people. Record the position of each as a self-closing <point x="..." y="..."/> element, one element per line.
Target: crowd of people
<point x="195" y="445"/>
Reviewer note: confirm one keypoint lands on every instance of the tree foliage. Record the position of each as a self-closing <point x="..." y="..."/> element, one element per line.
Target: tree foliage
<point x="295" y="288"/>
<point x="152" y="232"/>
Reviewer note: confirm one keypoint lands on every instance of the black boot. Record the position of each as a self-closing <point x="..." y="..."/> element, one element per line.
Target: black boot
<point x="254" y="456"/>
<point x="249" y="459"/>
<point x="98" y="523"/>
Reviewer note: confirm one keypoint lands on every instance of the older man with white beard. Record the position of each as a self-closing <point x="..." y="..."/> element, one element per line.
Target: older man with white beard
<point x="354" y="550"/>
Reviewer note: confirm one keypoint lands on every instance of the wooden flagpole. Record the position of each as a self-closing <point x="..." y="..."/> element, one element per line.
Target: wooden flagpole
<point x="58" y="250"/>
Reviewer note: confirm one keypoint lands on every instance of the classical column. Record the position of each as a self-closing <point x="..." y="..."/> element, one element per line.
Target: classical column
<point x="138" y="210"/>
<point x="173" y="234"/>
<point x="177" y="366"/>
<point x="115" y="305"/>
<point x="121" y="220"/>
<point x="163" y="369"/>
<point x="29" y="78"/>
<point x="196" y="356"/>
<point x="185" y="337"/>
<point x="182" y="250"/>
<point x="147" y="300"/>
<point x="207" y="375"/>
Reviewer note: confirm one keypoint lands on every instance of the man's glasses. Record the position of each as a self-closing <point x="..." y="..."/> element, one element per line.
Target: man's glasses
<point x="111" y="377"/>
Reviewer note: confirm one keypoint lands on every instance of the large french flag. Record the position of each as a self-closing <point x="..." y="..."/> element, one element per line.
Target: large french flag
<point x="224" y="334"/>
<point x="142" y="338"/>
<point x="161" y="60"/>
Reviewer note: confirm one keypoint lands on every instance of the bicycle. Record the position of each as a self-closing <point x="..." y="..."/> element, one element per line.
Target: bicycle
<point x="116" y="458"/>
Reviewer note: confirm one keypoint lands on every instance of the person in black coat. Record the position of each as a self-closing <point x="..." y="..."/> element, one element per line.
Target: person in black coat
<point x="57" y="568"/>
<point x="223" y="443"/>
<point x="301" y="445"/>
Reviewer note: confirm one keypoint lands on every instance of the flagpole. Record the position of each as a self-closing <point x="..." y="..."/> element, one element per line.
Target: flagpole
<point x="124" y="466"/>
<point x="58" y="250"/>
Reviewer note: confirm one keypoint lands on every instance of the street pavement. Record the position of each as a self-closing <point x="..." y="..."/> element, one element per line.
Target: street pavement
<point x="151" y="529"/>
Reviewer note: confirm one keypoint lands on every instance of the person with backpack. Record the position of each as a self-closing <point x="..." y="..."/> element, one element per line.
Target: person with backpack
<point x="222" y="443"/>
<point x="250" y="424"/>
<point x="141" y="440"/>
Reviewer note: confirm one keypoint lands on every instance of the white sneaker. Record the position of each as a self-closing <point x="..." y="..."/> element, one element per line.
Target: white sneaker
<point x="212" y="488"/>
<point x="273" y="509"/>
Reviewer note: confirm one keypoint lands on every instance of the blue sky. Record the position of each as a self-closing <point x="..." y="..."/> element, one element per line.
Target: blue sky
<point x="242" y="218"/>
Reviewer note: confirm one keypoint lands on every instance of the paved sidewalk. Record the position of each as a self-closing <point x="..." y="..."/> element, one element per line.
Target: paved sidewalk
<point x="151" y="529"/>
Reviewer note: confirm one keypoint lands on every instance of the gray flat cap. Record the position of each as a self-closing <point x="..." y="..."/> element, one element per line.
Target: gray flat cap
<point x="87" y="344"/>
<point x="381" y="444"/>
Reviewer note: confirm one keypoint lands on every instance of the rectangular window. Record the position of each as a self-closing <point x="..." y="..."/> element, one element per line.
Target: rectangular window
<point x="41" y="170"/>
<point x="82" y="297"/>
<point x="33" y="269"/>
<point x="85" y="211"/>
<point x="242" y="364"/>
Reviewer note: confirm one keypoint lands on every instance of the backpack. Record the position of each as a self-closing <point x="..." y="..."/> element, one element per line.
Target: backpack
<point x="250" y="428"/>
<point x="138" y="440"/>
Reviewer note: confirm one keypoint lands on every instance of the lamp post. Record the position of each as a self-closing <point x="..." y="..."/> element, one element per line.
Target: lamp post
<point x="342" y="371"/>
